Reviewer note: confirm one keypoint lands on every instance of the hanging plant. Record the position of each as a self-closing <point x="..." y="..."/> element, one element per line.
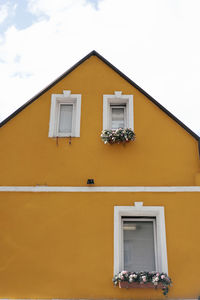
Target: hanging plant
<point x="118" y="136"/>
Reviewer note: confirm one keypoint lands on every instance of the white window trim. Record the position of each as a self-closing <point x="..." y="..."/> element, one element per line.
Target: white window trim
<point x="117" y="98"/>
<point x="141" y="211"/>
<point x="56" y="101"/>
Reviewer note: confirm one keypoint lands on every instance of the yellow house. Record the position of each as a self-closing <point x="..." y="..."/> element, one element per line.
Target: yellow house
<point x="76" y="211"/>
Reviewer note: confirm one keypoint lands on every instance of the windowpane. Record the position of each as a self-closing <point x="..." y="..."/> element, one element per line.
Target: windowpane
<point x="139" y="252"/>
<point x="65" y="119"/>
<point x="117" y="117"/>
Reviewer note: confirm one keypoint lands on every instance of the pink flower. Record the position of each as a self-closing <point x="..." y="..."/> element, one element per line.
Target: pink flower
<point x="144" y="278"/>
<point x="162" y="276"/>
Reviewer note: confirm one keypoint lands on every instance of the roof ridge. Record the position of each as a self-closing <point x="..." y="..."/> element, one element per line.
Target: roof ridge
<point x="95" y="53"/>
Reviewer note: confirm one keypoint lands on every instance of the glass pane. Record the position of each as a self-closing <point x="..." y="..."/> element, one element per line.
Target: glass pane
<point x="65" y="121"/>
<point x="139" y="252"/>
<point x="117" y="117"/>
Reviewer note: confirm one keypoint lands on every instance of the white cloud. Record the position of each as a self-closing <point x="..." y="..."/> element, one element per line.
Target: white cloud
<point x="154" y="42"/>
<point x="3" y="12"/>
<point x="7" y="10"/>
<point x="51" y="8"/>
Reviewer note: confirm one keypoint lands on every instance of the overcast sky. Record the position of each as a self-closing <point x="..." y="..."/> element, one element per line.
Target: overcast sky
<point x="154" y="42"/>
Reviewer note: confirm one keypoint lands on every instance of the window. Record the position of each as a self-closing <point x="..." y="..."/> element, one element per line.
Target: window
<point x="65" y="119"/>
<point x="139" y="239"/>
<point x="65" y="115"/>
<point x="138" y="244"/>
<point x="117" y="111"/>
<point x="118" y="118"/>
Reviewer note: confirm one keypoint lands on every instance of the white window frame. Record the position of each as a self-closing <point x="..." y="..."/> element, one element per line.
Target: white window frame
<point x="117" y="99"/>
<point x="56" y="101"/>
<point x="156" y="212"/>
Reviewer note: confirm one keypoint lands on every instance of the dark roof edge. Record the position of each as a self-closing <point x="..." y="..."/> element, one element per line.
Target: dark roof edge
<point x="117" y="71"/>
<point x="149" y="97"/>
<point x="46" y="88"/>
<point x="199" y="147"/>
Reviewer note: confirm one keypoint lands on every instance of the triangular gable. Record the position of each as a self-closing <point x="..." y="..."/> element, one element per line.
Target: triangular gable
<point x="94" y="53"/>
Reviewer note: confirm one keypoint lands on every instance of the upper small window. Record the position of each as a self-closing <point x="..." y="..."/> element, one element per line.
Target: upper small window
<point x="118" y="118"/>
<point x="117" y="111"/>
<point x="65" y="119"/>
<point x="65" y="115"/>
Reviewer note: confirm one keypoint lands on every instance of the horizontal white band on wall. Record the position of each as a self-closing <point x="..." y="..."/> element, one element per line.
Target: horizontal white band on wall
<point x="159" y="189"/>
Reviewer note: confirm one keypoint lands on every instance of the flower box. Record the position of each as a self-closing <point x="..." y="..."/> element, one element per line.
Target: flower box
<point x="144" y="280"/>
<point x="117" y="136"/>
<point x="133" y="285"/>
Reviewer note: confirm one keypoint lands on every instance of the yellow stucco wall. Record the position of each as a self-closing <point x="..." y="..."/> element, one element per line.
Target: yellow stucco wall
<point x="162" y="154"/>
<point x="60" y="245"/>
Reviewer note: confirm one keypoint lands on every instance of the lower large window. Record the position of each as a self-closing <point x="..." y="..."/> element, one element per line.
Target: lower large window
<point x="138" y="245"/>
<point x="139" y="239"/>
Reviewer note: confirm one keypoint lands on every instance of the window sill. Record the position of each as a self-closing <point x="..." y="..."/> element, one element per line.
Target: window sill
<point x="63" y="136"/>
<point x="133" y="285"/>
